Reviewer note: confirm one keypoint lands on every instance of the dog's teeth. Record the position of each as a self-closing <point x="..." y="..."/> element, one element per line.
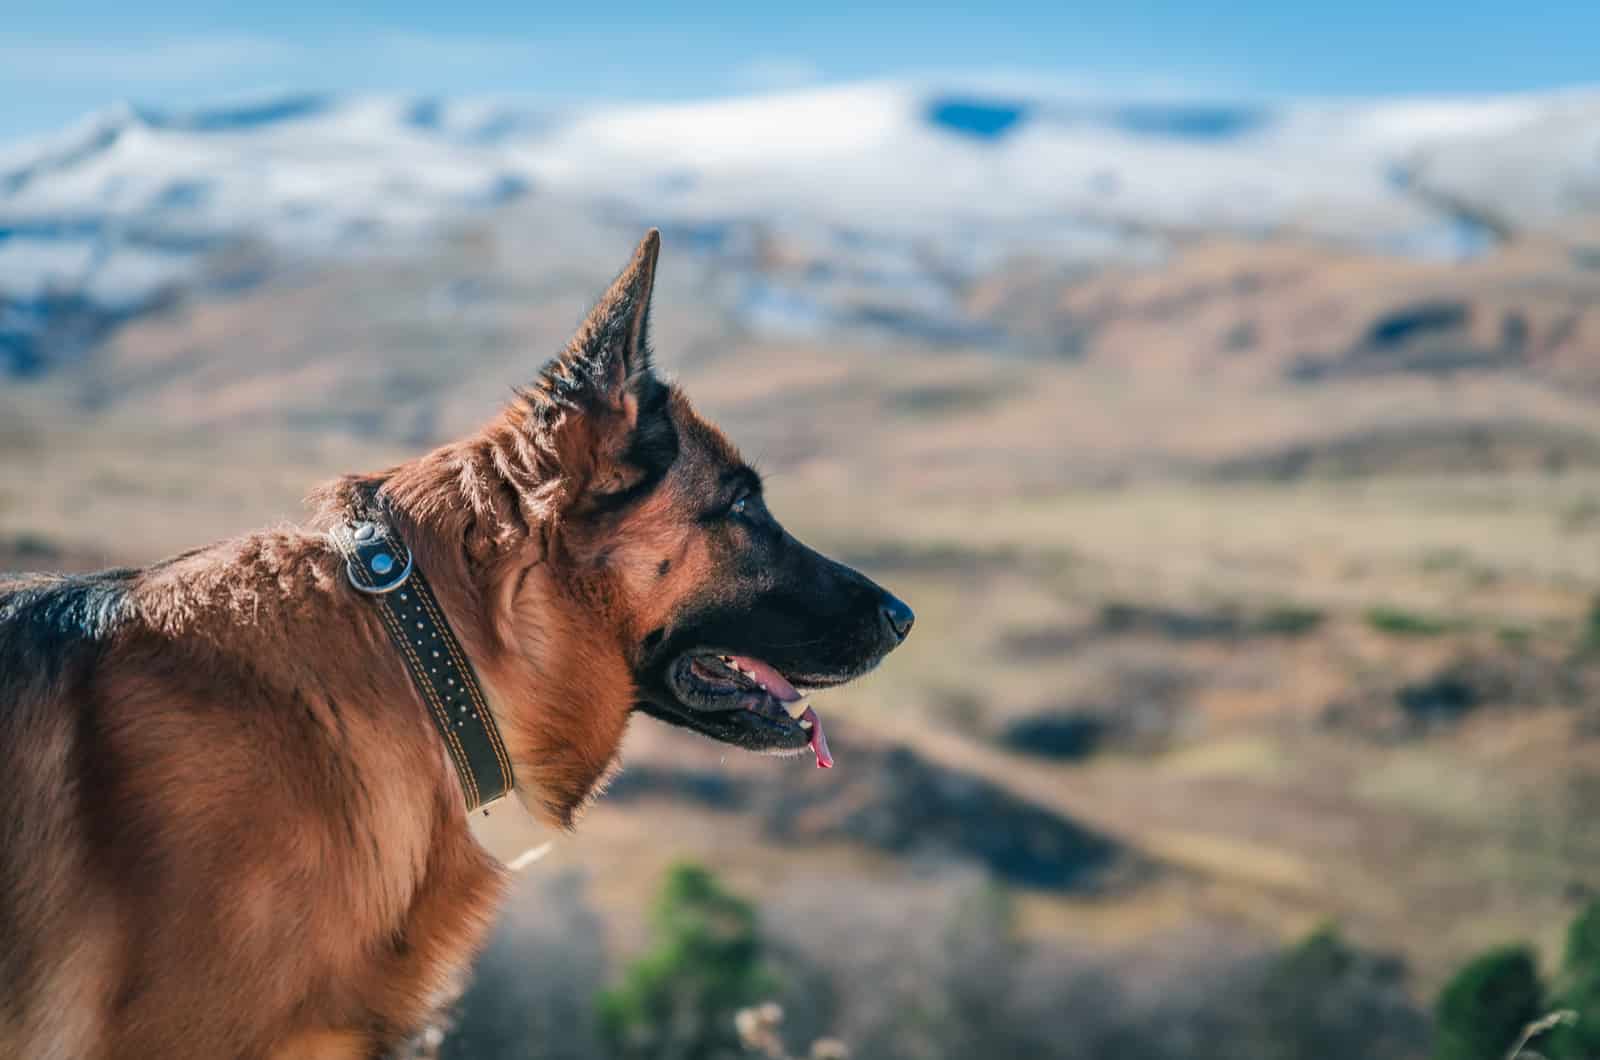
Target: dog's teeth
<point x="805" y="723"/>
<point x="797" y="708"/>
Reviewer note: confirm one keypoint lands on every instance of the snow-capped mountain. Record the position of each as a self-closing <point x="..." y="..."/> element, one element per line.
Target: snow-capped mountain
<point x="906" y="183"/>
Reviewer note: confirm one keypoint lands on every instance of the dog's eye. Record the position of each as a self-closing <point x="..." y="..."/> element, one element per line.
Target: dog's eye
<point x="740" y="507"/>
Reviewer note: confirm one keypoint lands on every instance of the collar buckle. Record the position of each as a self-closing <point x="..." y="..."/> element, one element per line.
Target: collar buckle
<point x="376" y="563"/>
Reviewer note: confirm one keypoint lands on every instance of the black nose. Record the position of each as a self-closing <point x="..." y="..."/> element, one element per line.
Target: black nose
<point x="896" y="615"/>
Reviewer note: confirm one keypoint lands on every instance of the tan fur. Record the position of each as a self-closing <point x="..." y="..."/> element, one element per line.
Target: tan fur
<point x="235" y="832"/>
<point x="323" y="1045"/>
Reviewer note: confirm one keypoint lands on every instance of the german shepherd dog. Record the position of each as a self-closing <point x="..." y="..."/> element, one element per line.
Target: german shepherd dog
<point x="228" y="825"/>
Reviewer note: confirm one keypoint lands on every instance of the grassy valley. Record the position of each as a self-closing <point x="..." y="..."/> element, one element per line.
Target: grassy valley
<point x="1256" y="588"/>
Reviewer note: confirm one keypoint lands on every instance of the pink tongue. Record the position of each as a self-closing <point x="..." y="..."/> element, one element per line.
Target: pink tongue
<point x="819" y="742"/>
<point x="784" y="692"/>
<point x="771" y="679"/>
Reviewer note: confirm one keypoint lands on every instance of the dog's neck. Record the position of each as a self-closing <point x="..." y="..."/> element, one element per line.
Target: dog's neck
<point x="541" y="655"/>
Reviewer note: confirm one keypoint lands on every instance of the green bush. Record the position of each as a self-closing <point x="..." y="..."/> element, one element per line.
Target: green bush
<point x="1288" y="620"/>
<point x="1323" y="997"/>
<point x="679" y="999"/>
<point x="1591" y="627"/>
<point x="1483" y="1009"/>
<point x="1399" y="622"/>
<point x="1514" y="636"/>
<point x="1582" y="956"/>
<point x="1579" y="990"/>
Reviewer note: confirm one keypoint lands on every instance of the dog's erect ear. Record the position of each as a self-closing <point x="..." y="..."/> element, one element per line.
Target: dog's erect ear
<point x="613" y="341"/>
<point x="620" y="436"/>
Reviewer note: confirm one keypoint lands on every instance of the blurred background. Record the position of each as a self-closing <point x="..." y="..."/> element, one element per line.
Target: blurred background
<point x="1219" y="385"/>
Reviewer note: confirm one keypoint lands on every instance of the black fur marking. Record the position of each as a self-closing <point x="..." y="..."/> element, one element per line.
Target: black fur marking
<point x="741" y="479"/>
<point x="653" y="448"/>
<point x="654" y="445"/>
<point x="47" y="621"/>
<point x="661" y="571"/>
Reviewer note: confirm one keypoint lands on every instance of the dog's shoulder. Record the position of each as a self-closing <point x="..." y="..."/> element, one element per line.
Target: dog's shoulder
<point x="46" y="618"/>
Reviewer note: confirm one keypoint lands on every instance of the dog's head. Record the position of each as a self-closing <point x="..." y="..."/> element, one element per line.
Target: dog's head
<point x="646" y="570"/>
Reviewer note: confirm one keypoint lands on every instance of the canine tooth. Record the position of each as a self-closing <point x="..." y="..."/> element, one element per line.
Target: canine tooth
<point x="805" y="723"/>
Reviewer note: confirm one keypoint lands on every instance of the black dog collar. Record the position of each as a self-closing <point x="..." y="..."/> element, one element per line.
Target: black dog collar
<point x="381" y="566"/>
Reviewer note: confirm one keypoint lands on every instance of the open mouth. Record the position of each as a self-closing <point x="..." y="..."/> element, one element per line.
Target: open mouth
<point x="743" y="700"/>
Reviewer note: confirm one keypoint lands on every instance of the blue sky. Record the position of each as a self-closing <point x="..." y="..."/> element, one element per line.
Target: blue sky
<point x="61" y="59"/>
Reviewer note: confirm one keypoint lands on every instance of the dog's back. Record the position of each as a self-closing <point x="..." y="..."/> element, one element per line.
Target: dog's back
<point x="57" y="941"/>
